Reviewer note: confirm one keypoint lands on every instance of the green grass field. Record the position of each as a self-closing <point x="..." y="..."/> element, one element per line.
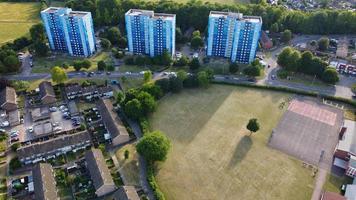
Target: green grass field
<point x="16" y="19"/>
<point x="129" y="167"/>
<point x="212" y="156"/>
<point x="44" y="65"/>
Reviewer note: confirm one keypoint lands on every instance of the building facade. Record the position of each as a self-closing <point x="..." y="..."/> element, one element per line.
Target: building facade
<point x="69" y="31"/>
<point x="234" y="36"/>
<point x="150" y="33"/>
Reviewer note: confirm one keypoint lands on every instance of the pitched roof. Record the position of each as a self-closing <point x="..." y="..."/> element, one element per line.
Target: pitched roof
<point x="126" y="193"/>
<point x="44" y="182"/>
<point x="46" y="89"/>
<point x="111" y="121"/>
<point x="350" y="192"/>
<point x="348" y="141"/>
<point x="98" y="169"/>
<point x="264" y="37"/>
<point x="52" y="144"/>
<point x="8" y="95"/>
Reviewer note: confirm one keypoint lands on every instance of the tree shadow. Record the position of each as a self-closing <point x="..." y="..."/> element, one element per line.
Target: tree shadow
<point x="241" y="150"/>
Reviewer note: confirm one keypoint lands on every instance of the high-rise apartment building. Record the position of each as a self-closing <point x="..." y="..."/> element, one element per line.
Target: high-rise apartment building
<point x="234" y="36"/>
<point x="150" y="33"/>
<point x="69" y="31"/>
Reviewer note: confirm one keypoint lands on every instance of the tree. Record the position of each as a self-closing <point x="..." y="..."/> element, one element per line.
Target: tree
<point x="166" y="58"/>
<point x="120" y="97"/>
<point x="233" y="67"/>
<point x="126" y="154"/>
<point x="196" y="33"/>
<point x="147" y="76"/>
<point x="154" y="146"/>
<point x="286" y="36"/>
<point x="113" y="35"/>
<point x="293" y="62"/>
<point x="179" y="36"/>
<point x="148" y="103"/>
<point x="203" y="79"/>
<point x="12" y="63"/>
<point x="323" y="43"/>
<point x="105" y="43"/>
<point x="133" y="109"/>
<point x="194" y="64"/>
<point x="183" y="61"/>
<point x="253" y="125"/>
<point x="86" y="63"/>
<point x="330" y="76"/>
<point x="152" y="89"/>
<point x="163" y="84"/>
<point x="58" y="75"/>
<point x="101" y="65"/>
<point x="41" y="48"/>
<point x="274" y="28"/>
<point x="196" y="42"/>
<point x="305" y="62"/>
<point x="37" y="33"/>
<point x="252" y="71"/>
<point x="176" y="85"/>
<point x="282" y="59"/>
<point x="77" y="64"/>
<point x="182" y="75"/>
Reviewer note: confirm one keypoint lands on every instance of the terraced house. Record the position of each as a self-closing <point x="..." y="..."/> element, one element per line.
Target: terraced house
<point x="232" y="35"/>
<point x="150" y="33"/>
<point x="69" y="31"/>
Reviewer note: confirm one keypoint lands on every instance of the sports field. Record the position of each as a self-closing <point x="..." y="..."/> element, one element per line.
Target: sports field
<point x="16" y="19"/>
<point x="212" y="155"/>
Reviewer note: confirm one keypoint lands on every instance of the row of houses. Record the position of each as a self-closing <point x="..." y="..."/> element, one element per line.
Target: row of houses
<point x="9" y="107"/>
<point x="52" y="148"/>
<point x="75" y="91"/>
<point x="45" y="184"/>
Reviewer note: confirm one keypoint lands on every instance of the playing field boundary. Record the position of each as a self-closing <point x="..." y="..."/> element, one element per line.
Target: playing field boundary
<point x="289" y="90"/>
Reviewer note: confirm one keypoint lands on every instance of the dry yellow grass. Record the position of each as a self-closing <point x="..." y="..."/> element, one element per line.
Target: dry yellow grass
<point x="213" y="158"/>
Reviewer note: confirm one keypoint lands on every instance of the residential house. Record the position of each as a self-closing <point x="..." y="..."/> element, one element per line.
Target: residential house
<point x="14" y="117"/>
<point x="44" y="182"/>
<point x="265" y="41"/>
<point x="75" y="91"/>
<point x="345" y="151"/>
<point x="8" y="99"/>
<point x="350" y="192"/>
<point x="112" y="122"/>
<point x="99" y="172"/>
<point x="47" y="94"/>
<point x="40" y="113"/>
<point x="126" y="193"/>
<point x="53" y="147"/>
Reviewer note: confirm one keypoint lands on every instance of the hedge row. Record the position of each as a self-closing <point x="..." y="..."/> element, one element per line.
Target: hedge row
<point x="144" y="125"/>
<point x="152" y="181"/>
<point x="289" y="90"/>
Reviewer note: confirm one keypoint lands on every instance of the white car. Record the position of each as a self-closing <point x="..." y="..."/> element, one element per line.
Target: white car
<point x="57" y="128"/>
<point x="178" y="55"/>
<point x="5" y="124"/>
<point x="14" y="133"/>
<point x="30" y="129"/>
<point x="195" y="55"/>
<point x="53" y="109"/>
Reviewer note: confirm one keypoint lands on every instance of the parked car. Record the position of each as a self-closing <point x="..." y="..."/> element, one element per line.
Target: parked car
<point x="54" y="124"/>
<point x="2" y="130"/>
<point x="5" y="124"/>
<point x="53" y="109"/>
<point x="14" y="139"/>
<point x="30" y="129"/>
<point x="57" y="128"/>
<point x="195" y="55"/>
<point x="108" y="73"/>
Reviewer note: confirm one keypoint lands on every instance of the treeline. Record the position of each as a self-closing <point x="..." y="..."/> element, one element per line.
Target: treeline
<point x="291" y="60"/>
<point x="195" y="14"/>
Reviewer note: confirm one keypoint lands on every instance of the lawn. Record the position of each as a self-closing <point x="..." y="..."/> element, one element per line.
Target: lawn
<point x="130" y="82"/>
<point x="212" y="156"/>
<point x="129" y="167"/>
<point x="16" y="19"/>
<point x="44" y="65"/>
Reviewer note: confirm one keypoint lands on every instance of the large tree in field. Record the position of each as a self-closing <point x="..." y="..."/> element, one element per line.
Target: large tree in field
<point x="323" y="43"/>
<point x="133" y="109"/>
<point x="154" y="146"/>
<point x="330" y="76"/>
<point x="58" y="75"/>
<point x="253" y="125"/>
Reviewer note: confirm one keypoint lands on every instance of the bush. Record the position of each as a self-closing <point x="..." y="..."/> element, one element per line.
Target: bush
<point x="330" y="76"/>
<point x="282" y="74"/>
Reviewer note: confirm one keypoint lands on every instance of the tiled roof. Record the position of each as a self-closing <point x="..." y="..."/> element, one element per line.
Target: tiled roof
<point x="98" y="169"/>
<point x="44" y="182"/>
<point x="8" y="95"/>
<point x="46" y="89"/>
<point x="126" y="193"/>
